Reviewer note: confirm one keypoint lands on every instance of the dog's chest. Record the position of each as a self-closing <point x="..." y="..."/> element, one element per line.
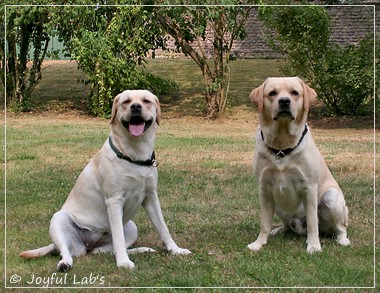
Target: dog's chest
<point x="137" y="188"/>
<point x="286" y="185"/>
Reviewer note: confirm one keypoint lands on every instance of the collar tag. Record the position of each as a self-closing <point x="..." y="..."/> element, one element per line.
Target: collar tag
<point x="154" y="163"/>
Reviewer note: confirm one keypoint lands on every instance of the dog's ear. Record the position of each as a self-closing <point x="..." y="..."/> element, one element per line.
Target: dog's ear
<point x="257" y="97"/>
<point x="309" y="96"/>
<point x="158" y="110"/>
<point x="114" y="108"/>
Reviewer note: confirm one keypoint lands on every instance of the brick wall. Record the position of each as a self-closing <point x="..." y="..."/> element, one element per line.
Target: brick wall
<point x="349" y="24"/>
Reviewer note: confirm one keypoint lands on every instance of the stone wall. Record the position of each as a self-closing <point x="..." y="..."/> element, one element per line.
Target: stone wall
<point x="349" y="24"/>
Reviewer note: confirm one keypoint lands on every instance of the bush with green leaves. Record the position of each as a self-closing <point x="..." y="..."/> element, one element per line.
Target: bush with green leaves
<point x="345" y="82"/>
<point x="24" y="40"/>
<point x="110" y="44"/>
<point x="342" y="75"/>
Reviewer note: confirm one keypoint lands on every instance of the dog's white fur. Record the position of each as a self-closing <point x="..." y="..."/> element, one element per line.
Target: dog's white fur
<point x="97" y="215"/>
<point x="299" y="187"/>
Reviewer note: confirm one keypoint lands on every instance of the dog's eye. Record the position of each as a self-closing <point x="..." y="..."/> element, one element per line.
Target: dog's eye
<point x="295" y="93"/>
<point x="146" y="101"/>
<point x="272" y="93"/>
<point x="127" y="101"/>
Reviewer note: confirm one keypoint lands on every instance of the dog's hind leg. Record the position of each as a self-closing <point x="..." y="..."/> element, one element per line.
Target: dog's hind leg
<point x="333" y="215"/>
<point x="64" y="234"/>
<point x="130" y="235"/>
<point x="103" y="248"/>
<point x="284" y="226"/>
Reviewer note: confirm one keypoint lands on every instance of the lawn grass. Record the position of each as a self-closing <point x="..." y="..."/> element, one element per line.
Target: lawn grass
<point x="206" y="187"/>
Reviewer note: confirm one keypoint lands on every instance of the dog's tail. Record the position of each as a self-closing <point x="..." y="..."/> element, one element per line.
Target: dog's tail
<point x="39" y="251"/>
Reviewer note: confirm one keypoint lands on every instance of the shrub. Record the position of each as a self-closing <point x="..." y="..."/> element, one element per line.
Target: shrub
<point x="342" y="76"/>
<point x="110" y="44"/>
<point x="345" y="80"/>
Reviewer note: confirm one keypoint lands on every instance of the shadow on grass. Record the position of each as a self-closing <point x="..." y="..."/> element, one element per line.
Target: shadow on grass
<point x="317" y="120"/>
<point x="60" y="92"/>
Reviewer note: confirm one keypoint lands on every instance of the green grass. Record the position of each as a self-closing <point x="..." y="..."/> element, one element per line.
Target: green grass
<point x="207" y="192"/>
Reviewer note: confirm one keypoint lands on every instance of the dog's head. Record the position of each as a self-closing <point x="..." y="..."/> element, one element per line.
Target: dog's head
<point x="283" y="99"/>
<point x="136" y="111"/>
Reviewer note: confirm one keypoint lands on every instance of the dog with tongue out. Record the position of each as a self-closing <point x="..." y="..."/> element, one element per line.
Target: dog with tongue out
<point x="134" y="120"/>
<point x="120" y="178"/>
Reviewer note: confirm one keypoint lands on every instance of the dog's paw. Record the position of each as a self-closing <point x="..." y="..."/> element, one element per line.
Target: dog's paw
<point x="126" y="264"/>
<point x="179" y="251"/>
<point x="312" y="248"/>
<point x="100" y="250"/>
<point x="255" y="246"/>
<point x="64" y="265"/>
<point x="343" y="241"/>
<point x="146" y="250"/>
<point x="278" y="230"/>
<point x="141" y="250"/>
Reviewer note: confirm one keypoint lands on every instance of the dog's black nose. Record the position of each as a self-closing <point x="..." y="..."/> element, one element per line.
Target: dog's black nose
<point x="136" y="108"/>
<point x="284" y="102"/>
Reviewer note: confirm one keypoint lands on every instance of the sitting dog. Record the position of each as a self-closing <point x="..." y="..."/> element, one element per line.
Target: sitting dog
<point x="97" y="215"/>
<point x="294" y="181"/>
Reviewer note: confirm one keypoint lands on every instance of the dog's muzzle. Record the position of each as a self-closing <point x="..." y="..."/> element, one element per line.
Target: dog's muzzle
<point x="136" y="125"/>
<point x="284" y="109"/>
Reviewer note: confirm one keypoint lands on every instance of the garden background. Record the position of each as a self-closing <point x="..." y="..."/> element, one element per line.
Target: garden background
<point x="206" y="187"/>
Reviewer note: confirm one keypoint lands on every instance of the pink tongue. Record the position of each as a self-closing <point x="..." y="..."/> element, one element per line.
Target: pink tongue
<point x="136" y="130"/>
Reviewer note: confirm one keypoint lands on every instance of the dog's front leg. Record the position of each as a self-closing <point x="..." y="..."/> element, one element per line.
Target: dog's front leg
<point x="311" y="205"/>
<point x="152" y="207"/>
<point x="115" y="217"/>
<point x="267" y="212"/>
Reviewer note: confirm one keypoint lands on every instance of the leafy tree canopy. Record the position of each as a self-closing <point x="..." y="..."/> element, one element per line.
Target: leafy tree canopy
<point x="109" y="42"/>
<point x="342" y="75"/>
<point x="218" y="25"/>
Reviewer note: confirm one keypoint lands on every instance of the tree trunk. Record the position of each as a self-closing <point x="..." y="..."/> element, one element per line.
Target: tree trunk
<point x="214" y="96"/>
<point x="212" y="88"/>
<point x="216" y="93"/>
<point x="216" y="79"/>
<point x="213" y="105"/>
<point x="35" y="73"/>
<point x="21" y="80"/>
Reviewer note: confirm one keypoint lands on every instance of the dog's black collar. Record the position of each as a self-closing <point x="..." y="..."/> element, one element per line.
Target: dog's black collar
<point x="148" y="163"/>
<point x="285" y="152"/>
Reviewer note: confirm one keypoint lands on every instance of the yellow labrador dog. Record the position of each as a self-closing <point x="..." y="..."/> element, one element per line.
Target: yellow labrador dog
<point x="294" y="181"/>
<point x="97" y="215"/>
